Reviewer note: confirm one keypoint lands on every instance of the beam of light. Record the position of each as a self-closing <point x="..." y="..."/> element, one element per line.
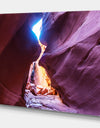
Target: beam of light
<point x="37" y="28"/>
<point x="41" y="78"/>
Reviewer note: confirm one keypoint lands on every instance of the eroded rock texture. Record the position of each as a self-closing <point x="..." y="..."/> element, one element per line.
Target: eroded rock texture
<point x="18" y="49"/>
<point x="72" y="58"/>
<point x="48" y="102"/>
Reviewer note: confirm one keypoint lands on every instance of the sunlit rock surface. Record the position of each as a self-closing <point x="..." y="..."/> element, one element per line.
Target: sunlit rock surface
<point x="72" y="58"/>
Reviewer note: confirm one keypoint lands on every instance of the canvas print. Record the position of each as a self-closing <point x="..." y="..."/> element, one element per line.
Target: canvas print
<point x="51" y="61"/>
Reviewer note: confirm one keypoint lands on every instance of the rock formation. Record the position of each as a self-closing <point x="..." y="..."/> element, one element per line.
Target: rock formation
<point x="72" y="57"/>
<point x="18" y="49"/>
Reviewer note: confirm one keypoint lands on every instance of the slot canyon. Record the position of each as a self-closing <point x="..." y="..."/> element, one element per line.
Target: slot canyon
<point x="57" y="70"/>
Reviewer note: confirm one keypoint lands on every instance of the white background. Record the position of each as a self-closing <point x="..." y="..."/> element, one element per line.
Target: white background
<point x="15" y="117"/>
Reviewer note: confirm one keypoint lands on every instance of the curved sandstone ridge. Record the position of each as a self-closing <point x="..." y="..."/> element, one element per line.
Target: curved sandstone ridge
<point x="72" y="58"/>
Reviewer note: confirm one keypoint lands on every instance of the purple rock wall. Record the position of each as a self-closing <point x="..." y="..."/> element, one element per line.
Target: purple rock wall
<point x="72" y="58"/>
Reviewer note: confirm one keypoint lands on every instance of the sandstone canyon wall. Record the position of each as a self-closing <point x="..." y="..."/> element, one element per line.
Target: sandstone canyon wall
<point x="72" y="57"/>
<point x="18" y="49"/>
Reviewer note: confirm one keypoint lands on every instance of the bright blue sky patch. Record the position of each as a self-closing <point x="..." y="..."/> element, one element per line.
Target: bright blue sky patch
<point x="37" y="28"/>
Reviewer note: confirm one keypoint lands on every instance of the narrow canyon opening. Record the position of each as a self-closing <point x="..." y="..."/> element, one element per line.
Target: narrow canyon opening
<point x="39" y="93"/>
<point x="38" y="81"/>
